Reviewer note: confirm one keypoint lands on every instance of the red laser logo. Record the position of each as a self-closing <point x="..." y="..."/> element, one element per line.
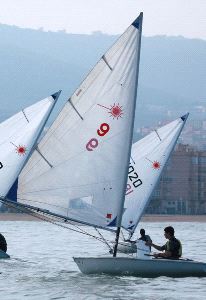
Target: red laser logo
<point x="21" y="150"/>
<point x="114" y="110"/>
<point x="156" y="165"/>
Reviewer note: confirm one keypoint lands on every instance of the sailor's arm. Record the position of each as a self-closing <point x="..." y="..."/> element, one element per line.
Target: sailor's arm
<point x="153" y="245"/>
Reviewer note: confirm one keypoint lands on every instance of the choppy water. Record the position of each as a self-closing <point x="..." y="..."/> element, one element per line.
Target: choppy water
<point x="41" y="265"/>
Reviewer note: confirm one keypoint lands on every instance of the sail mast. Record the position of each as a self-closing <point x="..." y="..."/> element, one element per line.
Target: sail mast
<point x="138" y="24"/>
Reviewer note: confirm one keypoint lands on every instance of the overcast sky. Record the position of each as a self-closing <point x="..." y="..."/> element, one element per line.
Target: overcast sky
<point x="167" y="17"/>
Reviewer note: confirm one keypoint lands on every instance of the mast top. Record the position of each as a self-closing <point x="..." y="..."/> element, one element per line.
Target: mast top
<point x="138" y="21"/>
<point x="184" y="118"/>
<point x="56" y="95"/>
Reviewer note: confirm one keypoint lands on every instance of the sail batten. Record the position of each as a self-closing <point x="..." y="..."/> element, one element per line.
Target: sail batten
<point x="89" y="142"/>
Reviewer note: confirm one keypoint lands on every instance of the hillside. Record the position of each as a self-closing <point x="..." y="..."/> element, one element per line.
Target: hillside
<point x="35" y="64"/>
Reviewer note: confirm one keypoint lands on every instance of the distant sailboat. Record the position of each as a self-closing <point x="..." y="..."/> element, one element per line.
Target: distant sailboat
<point x="148" y="158"/>
<point x="19" y="135"/>
<point x="79" y="171"/>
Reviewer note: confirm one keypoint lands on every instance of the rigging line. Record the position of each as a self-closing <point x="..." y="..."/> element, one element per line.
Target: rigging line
<point x="110" y="248"/>
<point x="50" y="220"/>
<point x="122" y="235"/>
<point x="25" y="115"/>
<point x="65" y="218"/>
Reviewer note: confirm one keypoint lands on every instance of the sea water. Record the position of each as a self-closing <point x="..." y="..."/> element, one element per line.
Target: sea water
<point x="41" y="265"/>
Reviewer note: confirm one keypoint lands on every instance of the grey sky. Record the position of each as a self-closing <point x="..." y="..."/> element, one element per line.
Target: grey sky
<point x="167" y="17"/>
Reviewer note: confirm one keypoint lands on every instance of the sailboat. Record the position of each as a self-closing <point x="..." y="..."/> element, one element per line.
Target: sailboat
<point x="79" y="171"/>
<point x="19" y="135"/>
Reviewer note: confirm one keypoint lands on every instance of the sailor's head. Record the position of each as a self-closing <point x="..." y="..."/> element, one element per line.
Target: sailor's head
<point x="169" y="232"/>
<point x="142" y="231"/>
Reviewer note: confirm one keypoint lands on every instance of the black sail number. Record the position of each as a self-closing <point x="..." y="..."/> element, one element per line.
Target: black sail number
<point x="133" y="177"/>
<point x="1" y="165"/>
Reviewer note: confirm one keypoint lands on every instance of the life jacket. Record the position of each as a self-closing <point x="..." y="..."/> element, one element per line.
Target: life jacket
<point x="175" y="247"/>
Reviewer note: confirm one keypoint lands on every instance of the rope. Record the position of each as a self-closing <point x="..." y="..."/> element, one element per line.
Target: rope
<point x="50" y="220"/>
<point x="110" y="248"/>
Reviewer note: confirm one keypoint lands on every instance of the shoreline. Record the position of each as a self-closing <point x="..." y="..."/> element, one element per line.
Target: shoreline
<point x="145" y="218"/>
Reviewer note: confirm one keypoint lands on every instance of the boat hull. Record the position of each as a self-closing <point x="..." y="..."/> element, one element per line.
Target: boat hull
<point x="140" y="267"/>
<point x="3" y="255"/>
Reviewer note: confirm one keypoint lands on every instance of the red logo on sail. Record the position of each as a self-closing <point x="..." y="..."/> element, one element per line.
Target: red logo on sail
<point x="114" y="110"/>
<point x="156" y="165"/>
<point x="21" y="150"/>
<point x="109" y="216"/>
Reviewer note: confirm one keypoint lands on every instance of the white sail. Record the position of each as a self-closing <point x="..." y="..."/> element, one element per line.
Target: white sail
<point x="82" y="170"/>
<point x="148" y="158"/>
<point x="18" y="136"/>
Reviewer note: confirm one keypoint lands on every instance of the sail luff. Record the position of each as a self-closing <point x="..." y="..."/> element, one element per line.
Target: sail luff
<point x="121" y="206"/>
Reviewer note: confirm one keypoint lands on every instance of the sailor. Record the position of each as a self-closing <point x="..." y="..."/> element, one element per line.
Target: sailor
<point x="3" y="243"/>
<point x="144" y="237"/>
<point x="172" y="249"/>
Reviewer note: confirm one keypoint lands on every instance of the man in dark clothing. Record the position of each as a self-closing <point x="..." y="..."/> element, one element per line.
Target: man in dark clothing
<point x="3" y="244"/>
<point x="172" y="249"/>
<point x="144" y="237"/>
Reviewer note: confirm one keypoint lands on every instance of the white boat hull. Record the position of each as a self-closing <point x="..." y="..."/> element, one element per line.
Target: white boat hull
<point x="3" y="255"/>
<point x="140" y="267"/>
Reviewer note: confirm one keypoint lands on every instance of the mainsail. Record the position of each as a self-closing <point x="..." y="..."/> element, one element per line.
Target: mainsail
<point x="149" y="156"/>
<point x="81" y="171"/>
<point x="18" y="136"/>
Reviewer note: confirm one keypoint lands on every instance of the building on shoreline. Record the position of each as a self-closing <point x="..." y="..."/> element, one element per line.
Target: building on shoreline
<point x="182" y="187"/>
